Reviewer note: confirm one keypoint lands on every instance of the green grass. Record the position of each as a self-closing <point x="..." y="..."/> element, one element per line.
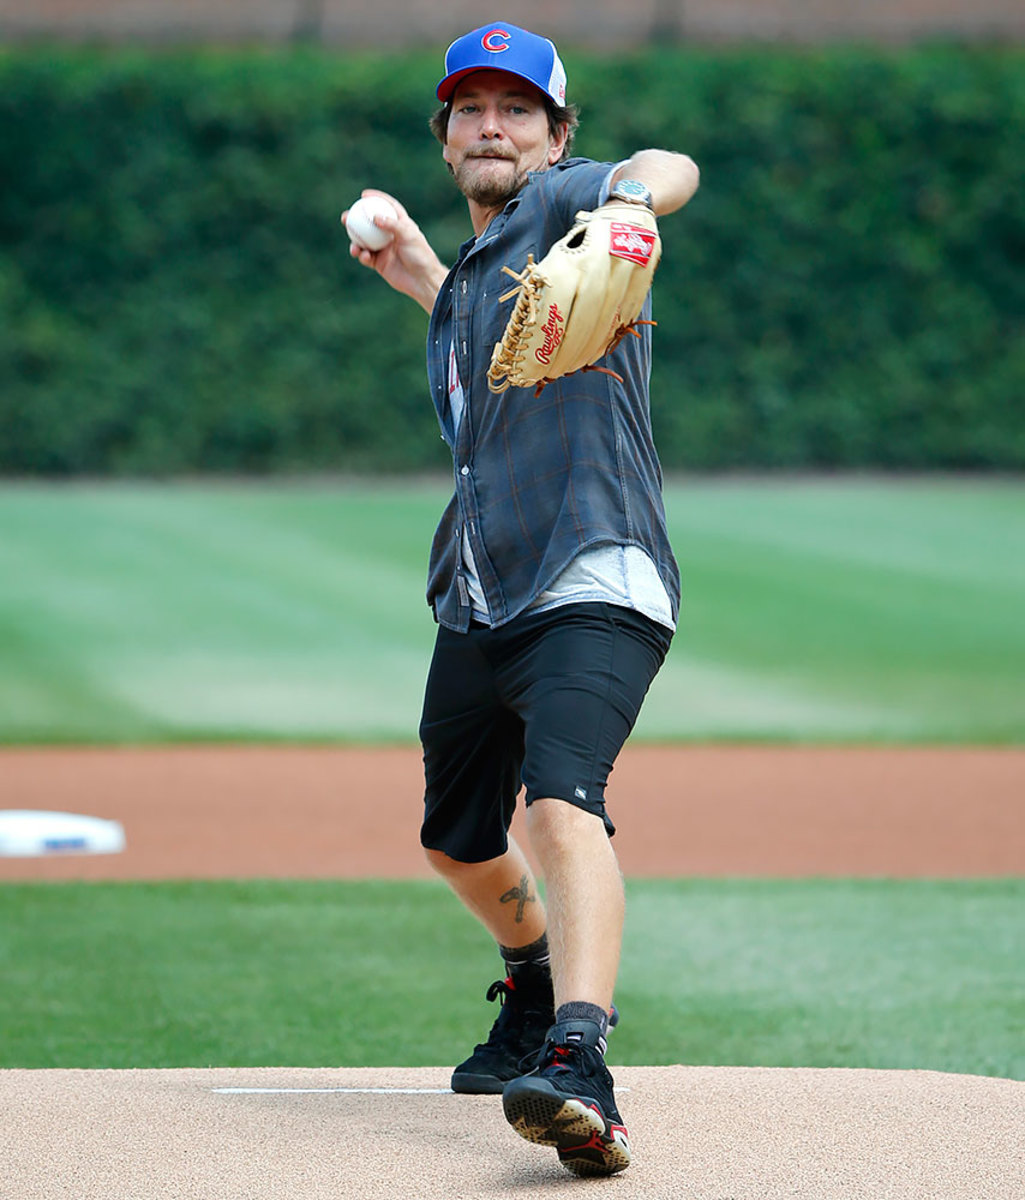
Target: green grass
<point x="843" y="610"/>
<point x="815" y="973"/>
<point x="830" y="610"/>
<point x="870" y="610"/>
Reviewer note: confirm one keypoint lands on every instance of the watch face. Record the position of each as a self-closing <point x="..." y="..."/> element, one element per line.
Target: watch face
<point x="632" y="189"/>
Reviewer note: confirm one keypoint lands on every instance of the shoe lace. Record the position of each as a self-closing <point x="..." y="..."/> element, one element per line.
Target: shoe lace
<point x="517" y="1007"/>
<point x="501" y="987"/>
<point x="503" y="990"/>
<point x="562" y="1054"/>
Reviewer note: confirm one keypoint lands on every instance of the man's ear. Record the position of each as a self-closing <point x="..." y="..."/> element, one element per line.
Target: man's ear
<point x="558" y="144"/>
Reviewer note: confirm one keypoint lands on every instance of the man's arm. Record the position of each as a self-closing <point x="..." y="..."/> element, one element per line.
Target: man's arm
<point x="408" y="262"/>
<point x="671" y="178"/>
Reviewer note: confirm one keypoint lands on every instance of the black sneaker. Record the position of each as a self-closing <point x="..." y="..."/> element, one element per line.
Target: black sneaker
<point x="527" y="1013"/>
<point x="567" y="1102"/>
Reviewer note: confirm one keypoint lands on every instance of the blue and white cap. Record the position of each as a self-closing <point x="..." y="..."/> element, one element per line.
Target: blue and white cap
<point x="504" y="47"/>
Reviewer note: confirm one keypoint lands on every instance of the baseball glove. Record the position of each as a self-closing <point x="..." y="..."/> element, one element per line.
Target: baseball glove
<point x="580" y="300"/>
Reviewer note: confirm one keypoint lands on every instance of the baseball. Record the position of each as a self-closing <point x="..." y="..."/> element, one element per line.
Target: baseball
<point x="360" y="222"/>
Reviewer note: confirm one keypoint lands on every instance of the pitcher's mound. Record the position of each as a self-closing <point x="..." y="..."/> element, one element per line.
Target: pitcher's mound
<point x="698" y="1133"/>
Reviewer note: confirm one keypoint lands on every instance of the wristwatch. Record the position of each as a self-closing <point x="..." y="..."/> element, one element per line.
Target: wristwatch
<point x="632" y="191"/>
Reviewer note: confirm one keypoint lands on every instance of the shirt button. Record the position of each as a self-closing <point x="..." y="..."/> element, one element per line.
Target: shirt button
<point x="464" y="471"/>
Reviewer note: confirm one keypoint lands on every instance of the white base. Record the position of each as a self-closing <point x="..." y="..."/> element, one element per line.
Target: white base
<point x="30" y="834"/>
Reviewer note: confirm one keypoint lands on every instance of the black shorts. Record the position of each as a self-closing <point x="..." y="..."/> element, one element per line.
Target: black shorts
<point x="545" y="702"/>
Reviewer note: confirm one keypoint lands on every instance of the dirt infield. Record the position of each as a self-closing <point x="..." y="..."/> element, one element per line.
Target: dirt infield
<point x="699" y="1133"/>
<point x="335" y="812"/>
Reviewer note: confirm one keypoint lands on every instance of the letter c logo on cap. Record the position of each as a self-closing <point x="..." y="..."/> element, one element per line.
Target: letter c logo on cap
<point x="493" y="41"/>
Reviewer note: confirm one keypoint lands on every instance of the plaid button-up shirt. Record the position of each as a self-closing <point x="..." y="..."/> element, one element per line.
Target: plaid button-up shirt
<point x="537" y="479"/>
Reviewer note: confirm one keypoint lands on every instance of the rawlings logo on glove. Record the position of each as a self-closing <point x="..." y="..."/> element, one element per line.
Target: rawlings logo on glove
<point x="552" y="335"/>
<point x="580" y="301"/>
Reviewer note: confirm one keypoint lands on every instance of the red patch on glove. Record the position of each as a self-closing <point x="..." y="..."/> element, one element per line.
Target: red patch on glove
<point x="631" y="242"/>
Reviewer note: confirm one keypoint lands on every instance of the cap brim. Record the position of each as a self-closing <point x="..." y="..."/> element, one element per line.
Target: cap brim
<point x="449" y="84"/>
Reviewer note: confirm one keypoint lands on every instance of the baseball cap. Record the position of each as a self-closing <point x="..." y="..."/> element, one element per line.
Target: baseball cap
<point x="504" y="47"/>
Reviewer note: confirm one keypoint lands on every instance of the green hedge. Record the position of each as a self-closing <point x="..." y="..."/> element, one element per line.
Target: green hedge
<point x="847" y="289"/>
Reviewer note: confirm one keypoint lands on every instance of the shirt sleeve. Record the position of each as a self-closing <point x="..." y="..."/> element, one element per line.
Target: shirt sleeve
<point x="606" y="187"/>
<point x="578" y="184"/>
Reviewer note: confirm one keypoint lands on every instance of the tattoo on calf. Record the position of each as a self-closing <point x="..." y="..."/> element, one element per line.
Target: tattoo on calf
<point x="521" y="895"/>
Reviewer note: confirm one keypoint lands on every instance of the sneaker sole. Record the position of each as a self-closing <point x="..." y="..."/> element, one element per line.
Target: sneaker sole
<point x="478" y="1085"/>
<point x="587" y="1144"/>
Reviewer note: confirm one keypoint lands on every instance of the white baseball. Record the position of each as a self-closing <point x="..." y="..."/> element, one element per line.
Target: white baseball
<point x="360" y="222"/>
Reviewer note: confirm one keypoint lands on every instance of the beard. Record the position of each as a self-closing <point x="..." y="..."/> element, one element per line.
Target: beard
<point x="487" y="187"/>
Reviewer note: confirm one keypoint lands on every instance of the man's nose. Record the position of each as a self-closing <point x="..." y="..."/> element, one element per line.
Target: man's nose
<point x="491" y="124"/>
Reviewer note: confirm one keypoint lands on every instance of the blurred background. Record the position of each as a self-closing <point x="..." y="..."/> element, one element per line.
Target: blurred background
<point x="221" y="467"/>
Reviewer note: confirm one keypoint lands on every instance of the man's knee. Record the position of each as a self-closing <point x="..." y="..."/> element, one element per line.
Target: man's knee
<point x="444" y="864"/>
<point x="564" y="822"/>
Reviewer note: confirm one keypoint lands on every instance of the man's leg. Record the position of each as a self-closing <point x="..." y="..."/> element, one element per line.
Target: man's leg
<point x="568" y="1100"/>
<point x="592" y="670"/>
<point x="473" y="749"/>
<point x="501" y="893"/>
<point x="585" y="900"/>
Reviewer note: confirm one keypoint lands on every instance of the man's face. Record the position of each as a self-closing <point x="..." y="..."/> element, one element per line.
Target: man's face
<point x="497" y="134"/>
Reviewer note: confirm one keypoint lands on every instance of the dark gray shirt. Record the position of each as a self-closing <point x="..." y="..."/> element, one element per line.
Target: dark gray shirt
<point x="537" y="479"/>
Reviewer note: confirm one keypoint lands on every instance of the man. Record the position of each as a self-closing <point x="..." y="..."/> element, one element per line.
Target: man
<point x="553" y="584"/>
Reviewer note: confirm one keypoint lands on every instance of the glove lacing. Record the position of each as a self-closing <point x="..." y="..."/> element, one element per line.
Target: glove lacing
<point x="529" y="282"/>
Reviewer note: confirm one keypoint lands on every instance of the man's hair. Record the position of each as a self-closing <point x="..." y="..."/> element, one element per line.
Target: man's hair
<point x="558" y="115"/>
